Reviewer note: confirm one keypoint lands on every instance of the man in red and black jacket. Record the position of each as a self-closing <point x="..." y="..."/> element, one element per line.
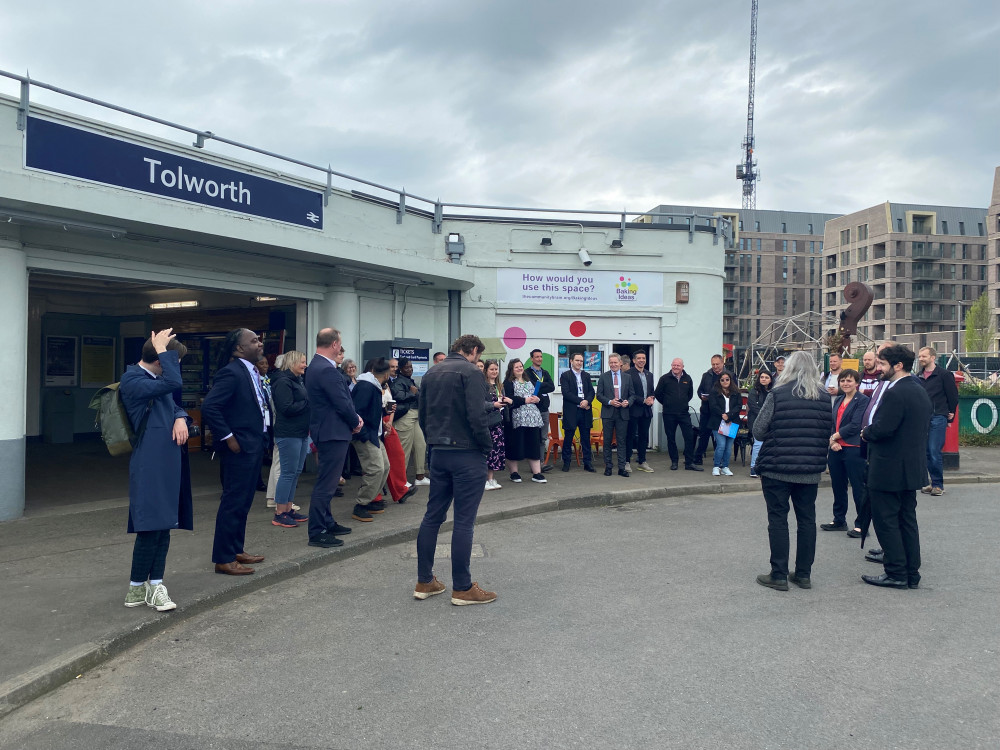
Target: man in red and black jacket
<point x="941" y="388"/>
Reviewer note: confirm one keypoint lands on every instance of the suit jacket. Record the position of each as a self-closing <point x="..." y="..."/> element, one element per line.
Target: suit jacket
<point x="331" y="410"/>
<point x="851" y="422"/>
<point x="231" y="407"/>
<point x="583" y="418"/>
<point x="636" y="406"/>
<point x="897" y="438"/>
<point x="606" y="392"/>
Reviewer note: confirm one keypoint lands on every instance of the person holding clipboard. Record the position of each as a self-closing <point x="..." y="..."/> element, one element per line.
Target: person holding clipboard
<point x="724" y="403"/>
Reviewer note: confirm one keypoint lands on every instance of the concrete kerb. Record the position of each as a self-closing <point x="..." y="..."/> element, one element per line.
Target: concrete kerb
<point x="35" y="683"/>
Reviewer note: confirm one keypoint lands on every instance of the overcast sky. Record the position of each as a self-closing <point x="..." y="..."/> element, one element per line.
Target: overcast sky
<point x="582" y="103"/>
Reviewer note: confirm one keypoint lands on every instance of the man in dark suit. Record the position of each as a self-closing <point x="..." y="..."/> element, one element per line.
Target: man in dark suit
<point x="897" y="467"/>
<point x="238" y="414"/>
<point x="332" y="422"/>
<point x="614" y="391"/>
<point x="640" y="412"/>
<point x="577" y="395"/>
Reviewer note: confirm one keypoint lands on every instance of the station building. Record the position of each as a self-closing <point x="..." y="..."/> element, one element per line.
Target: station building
<point x="107" y="233"/>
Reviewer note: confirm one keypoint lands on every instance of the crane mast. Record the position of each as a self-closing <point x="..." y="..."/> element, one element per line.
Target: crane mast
<point x="746" y="171"/>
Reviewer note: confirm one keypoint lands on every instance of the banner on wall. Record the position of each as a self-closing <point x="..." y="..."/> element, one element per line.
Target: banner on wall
<point x="625" y="289"/>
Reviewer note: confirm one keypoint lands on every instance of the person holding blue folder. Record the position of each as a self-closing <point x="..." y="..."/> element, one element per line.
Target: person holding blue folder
<point x="724" y="404"/>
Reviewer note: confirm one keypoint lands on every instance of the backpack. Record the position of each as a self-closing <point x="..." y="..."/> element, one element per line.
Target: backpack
<point x="113" y="421"/>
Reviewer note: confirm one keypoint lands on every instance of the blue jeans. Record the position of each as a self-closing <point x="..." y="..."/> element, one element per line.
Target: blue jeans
<point x="723" y="450"/>
<point x="292" y="454"/>
<point x="935" y="444"/>
<point x="754" y="452"/>
<point x="459" y="476"/>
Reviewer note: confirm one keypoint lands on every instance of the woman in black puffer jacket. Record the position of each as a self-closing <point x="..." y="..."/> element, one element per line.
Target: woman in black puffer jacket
<point x="755" y="399"/>
<point x="291" y="434"/>
<point x="794" y="425"/>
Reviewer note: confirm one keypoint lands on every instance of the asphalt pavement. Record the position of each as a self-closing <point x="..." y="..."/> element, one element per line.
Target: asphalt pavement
<point x="65" y="564"/>
<point x="628" y="626"/>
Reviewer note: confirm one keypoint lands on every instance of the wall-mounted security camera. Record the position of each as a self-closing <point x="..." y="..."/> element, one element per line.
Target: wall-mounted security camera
<point x="585" y="256"/>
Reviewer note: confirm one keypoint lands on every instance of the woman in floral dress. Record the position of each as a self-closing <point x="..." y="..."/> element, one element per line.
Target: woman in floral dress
<point x="495" y="402"/>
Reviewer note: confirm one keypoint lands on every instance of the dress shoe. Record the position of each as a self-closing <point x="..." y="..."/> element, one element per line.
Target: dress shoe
<point x="914" y="584"/>
<point x="802" y="582"/>
<point x="854" y="533"/>
<point x="588" y="467"/>
<point x="409" y="493"/>
<point x="693" y="467"/>
<point x="325" y="540"/>
<point x="875" y="556"/>
<point x="778" y="584"/>
<point x="885" y="581"/>
<point x="246" y="559"/>
<point x="233" y="569"/>
<point x="338" y="530"/>
<point x="608" y="472"/>
<point x="673" y="466"/>
<point x="623" y="473"/>
<point x="833" y="526"/>
<point x="565" y="466"/>
<point x="338" y="493"/>
<point x="548" y="467"/>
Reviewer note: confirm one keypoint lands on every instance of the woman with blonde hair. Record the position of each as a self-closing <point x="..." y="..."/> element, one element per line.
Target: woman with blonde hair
<point x="291" y="435"/>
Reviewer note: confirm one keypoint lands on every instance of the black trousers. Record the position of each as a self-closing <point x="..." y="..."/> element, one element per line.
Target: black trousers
<point x="331" y="455"/>
<point x="638" y="437"/>
<point x="614" y="422"/>
<point x="670" y="424"/>
<point x="704" y="434"/>
<point x="894" y="515"/>
<point x="149" y="555"/>
<point x="847" y="465"/>
<point x="803" y="497"/>
<point x="240" y="474"/>
<point x="571" y="423"/>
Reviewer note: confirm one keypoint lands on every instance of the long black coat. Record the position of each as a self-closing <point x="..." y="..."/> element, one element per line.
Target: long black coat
<point x="897" y="438"/>
<point x="159" y="480"/>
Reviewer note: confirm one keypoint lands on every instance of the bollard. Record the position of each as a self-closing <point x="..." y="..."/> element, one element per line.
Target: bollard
<point x="949" y="455"/>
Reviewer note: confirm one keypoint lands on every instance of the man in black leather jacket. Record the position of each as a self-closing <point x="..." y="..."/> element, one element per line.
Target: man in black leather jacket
<point x="453" y="418"/>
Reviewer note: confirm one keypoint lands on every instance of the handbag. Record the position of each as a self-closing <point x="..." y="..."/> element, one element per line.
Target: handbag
<point x="494" y="417"/>
<point x="729" y="429"/>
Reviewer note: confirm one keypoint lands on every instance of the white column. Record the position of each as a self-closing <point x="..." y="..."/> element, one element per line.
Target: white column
<point x="13" y="363"/>
<point x="338" y="309"/>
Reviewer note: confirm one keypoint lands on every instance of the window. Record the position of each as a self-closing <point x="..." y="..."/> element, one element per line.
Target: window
<point x="812" y="246"/>
<point x="862" y="232"/>
<point x="862" y="254"/>
<point x="741" y="226"/>
<point x="965" y="252"/>
<point x="784" y="267"/>
<point x="863" y="273"/>
<point x="900" y="289"/>
<point x="758" y="241"/>
<point x="845" y="237"/>
<point x="784" y="246"/>
<point x="821" y="246"/>
<point x="899" y="225"/>
<point x="784" y="302"/>
<point x="812" y="270"/>
<point x="756" y="227"/>
<point x="810" y="230"/>
<point x="944" y="227"/>
<point x="758" y="326"/>
<point x="783" y="229"/>
<point x="961" y="228"/>
<point x="812" y="299"/>
<point x="982" y="273"/>
<point x="845" y="258"/>
<point x="900" y="249"/>
<point x="758" y="269"/>
<point x="966" y="274"/>
<point x="795" y="246"/>
<point x="758" y="305"/>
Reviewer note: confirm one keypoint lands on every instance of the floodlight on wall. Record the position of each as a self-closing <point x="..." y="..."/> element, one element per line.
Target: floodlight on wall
<point x="546" y="242"/>
<point x="173" y="305"/>
<point x="616" y="244"/>
<point x="585" y="256"/>
<point x="454" y="247"/>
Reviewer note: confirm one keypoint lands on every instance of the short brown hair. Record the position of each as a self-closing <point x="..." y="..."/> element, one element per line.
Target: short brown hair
<point x="468" y="344"/>
<point x="848" y="373"/>
<point x="149" y="355"/>
<point x="327" y="337"/>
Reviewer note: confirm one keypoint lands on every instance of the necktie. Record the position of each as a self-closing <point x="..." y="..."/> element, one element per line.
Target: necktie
<point x="876" y="394"/>
<point x="616" y="387"/>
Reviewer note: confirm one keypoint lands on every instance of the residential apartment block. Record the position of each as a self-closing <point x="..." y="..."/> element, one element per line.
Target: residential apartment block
<point x="993" y="253"/>
<point x="925" y="264"/>
<point x="774" y="271"/>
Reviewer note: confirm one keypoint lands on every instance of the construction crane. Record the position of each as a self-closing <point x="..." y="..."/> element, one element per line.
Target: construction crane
<point x="746" y="171"/>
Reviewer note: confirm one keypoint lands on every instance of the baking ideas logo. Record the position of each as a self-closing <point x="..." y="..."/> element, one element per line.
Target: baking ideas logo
<point x="626" y="289"/>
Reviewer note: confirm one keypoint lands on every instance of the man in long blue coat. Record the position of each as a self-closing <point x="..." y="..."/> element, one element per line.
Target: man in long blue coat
<point x="159" y="476"/>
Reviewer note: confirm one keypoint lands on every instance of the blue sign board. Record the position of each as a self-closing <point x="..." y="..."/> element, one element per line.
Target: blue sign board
<point x="61" y="149"/>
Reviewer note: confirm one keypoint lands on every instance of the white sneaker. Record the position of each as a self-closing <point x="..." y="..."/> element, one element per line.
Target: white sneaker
<point x="296" y="507"/>
<point x="490" y="485"/>
<point x="497" y="485"/>
<point x="645" y="467"/>
<point x="715" y="471"/>
<point x="422" y="482"/>
<point x="158" y="598"/>
<point x="270" y="502"/>
<point x="628" y="467"/>
<point x="726" y="472"/>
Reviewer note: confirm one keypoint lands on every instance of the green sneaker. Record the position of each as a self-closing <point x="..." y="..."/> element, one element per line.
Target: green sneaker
<point x="136" y="595"/>
<point x="158" y="598"/>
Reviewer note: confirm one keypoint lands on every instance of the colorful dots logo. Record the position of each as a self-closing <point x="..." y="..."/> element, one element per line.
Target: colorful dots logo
<point x="626" y="288"/>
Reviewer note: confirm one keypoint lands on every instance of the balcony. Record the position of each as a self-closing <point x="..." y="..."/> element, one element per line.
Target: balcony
<point x="729" y="308"/>
<point x="928" y="292"/>
<point x="931" y="314"/>
<point x="731" y="260"/>
<point x="878" y="312"/>
<point x="728" y="324"/>
<point x="729" y="292"/>
<point x="925" y="250"/>
<point x="878" y="272"/>
<point x="878" y="251"/>
<point x="922" y="271"/>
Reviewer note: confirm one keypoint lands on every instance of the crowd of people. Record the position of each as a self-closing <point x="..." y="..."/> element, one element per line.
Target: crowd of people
<point x="464" y="424"/>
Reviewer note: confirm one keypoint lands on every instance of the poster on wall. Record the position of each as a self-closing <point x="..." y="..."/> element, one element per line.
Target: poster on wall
<point x="97" y="361"/>
<point x="419" y="358"/>
<point x="60" y="360"/>
<point x="605" y="288"/>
